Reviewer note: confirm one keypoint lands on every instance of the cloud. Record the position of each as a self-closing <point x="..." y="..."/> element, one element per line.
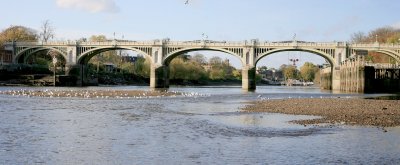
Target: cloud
<point x="93" y="6"/>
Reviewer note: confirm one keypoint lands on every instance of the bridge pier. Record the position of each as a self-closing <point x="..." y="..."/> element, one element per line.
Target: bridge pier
<point x="77" y="72"/>
<point x="335" y="79"/>
<point x="159" y="76"/>
<point x="248" y="78"/>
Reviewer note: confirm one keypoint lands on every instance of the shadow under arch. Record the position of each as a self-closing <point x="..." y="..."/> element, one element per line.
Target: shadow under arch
<point x="313" y="51"/>
<point x="85" y="57"/>
<point x="21" y="57"/>
<point x="169" y="57"/>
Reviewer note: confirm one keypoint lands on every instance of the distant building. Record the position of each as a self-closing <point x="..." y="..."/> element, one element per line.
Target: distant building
<point x="270" y="74"/>
<point x="131" y="59"/>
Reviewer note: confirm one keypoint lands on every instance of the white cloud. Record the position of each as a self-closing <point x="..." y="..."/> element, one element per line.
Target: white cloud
<point x="93" y="6"/>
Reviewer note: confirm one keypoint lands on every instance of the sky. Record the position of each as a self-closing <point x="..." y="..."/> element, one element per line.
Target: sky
<point x="230" y="20"/>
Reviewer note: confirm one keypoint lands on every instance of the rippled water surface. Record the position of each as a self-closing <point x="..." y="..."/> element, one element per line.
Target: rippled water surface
<point x="205" y="129"/>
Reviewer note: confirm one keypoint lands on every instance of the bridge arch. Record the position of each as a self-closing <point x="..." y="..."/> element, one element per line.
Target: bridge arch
<point x="389" y="53"/>
<point x="35" y="50"/>
<point x="86" y="56"/>
<point x="328" y="57"/>
<point x="170" y="56"/>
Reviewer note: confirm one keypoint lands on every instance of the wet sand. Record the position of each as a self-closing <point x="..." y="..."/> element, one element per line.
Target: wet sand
<point x="93" y="93"/>
<point x="382" y="113"/>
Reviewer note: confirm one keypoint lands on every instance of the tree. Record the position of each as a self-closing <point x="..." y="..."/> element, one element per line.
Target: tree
<point x="358" y="37"/>
<point x="18" y="33"/>
<point x="142" y="67"/>
<point x="199" y="58"/>
<point x="215" y="61"/>
<point x="47" y="31"/>
<point x="237" y="74"/>
<point x="289" y="71"/>
<point x="382" y="35"/>
<point x="183" y="69"/>
<point x="394" y="38"/>
<point x="307" y="71"/>
<point x="97" y="38"/>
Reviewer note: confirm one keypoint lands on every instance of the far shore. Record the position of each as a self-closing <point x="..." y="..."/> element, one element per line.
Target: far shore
<point x="349" y="111"/>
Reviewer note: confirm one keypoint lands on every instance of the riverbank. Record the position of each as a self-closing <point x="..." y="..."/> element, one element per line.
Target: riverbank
<point x="382" y="113"/>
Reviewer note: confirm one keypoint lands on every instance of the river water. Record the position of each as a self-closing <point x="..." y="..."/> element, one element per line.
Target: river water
<point x="206" y="127"/>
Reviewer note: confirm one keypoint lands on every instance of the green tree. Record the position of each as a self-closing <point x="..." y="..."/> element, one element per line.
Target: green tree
<point x="289" y="71"/>
<point x="183" y="69"/>
<point x="237" y="74"/>
<point x="307" y="71"/>
<point x="128" y="67"/>
<point x="142" y="67"/>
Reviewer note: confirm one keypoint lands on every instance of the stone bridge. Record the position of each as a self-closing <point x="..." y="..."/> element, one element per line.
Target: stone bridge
<point x="161" y="52"/>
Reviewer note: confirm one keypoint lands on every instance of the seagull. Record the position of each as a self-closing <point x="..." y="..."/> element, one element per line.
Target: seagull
<point x="187" y="2"/>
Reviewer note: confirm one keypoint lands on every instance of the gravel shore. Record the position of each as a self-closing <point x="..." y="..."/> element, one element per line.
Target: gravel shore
<point x="382" y="113"/>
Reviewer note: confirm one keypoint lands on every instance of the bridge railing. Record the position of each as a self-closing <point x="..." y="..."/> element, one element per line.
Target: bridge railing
<point x="40" y="43"/>
<point x="108" y="43"/>
<point x="199" y="43"/>
<point x="308" y="44"/>
<point x="374" y="45"/>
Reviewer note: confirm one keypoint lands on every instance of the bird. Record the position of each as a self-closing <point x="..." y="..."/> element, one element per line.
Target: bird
<point x="187" y="2"/>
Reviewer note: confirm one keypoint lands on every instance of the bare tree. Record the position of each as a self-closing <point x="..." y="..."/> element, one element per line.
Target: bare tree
<point x="47" y="31"/>
<point x="358" y="37"/>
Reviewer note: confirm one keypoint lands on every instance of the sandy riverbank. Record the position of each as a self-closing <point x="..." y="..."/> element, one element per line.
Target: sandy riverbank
<point x="382" y="113"/>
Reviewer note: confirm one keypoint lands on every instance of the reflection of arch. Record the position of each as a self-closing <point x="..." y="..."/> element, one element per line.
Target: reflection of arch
<point x="328" y="57"/>
<point x="35" y="50"/>
<point x="169" y="57"/>
<point x="86" y="56"/>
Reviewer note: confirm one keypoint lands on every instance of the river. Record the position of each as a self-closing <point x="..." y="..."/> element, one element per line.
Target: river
<point x="205" y="127"/>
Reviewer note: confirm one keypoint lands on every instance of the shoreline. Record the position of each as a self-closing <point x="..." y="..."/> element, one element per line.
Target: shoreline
<point x="354" y="111"/>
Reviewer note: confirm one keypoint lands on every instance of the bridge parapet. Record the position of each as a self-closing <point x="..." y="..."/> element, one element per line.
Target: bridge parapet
<point x="126" y="43"/>
<point x="302" y="44"/>
<point x="365" y="45"/>
<point x="198" y="43"/>
<point x="53" y="43"/>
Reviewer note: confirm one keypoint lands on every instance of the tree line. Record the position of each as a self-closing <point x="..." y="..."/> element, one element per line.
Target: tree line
<point x="388" y="35"/>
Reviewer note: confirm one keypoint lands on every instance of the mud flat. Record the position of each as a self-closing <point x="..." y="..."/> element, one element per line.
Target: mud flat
<point x="350" y="111"/>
